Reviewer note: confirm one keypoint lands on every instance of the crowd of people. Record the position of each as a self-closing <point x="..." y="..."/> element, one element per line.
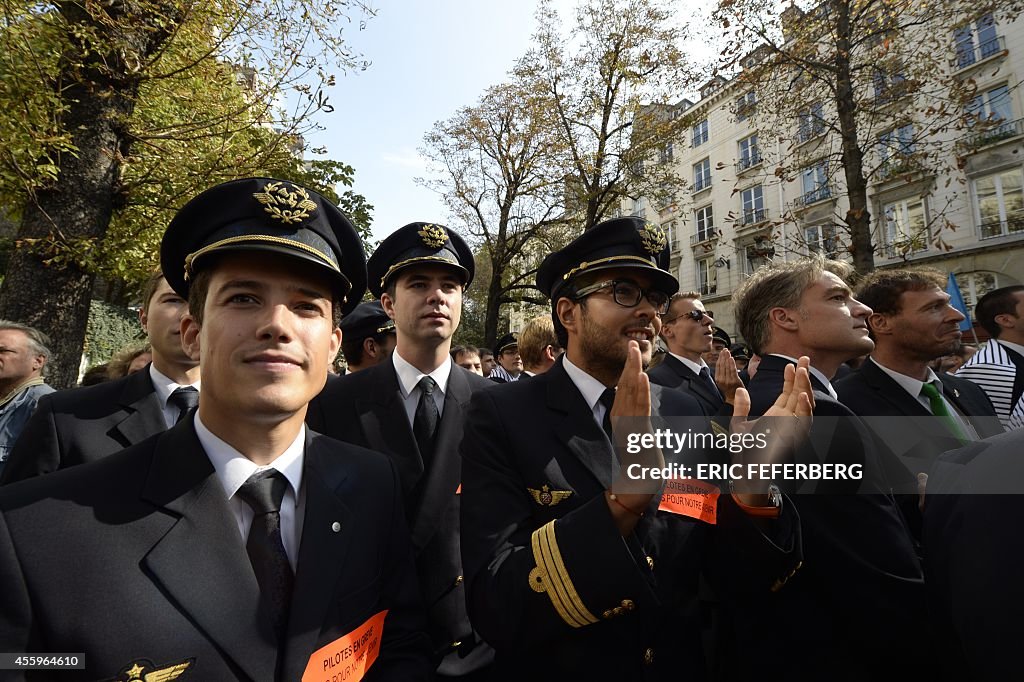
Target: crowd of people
<point x="225" y="505"/>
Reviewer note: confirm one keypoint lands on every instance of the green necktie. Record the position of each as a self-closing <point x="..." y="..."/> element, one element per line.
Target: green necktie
<point x="939" y="409"/>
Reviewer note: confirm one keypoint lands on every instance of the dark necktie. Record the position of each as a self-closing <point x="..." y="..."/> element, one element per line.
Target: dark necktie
<point x="424" y="423"/>
<point x="705" y="376"/>
<point x="939" y="409"/>
<point x="607" y="399"/>
<point x="263" y="491"/>
<point x="185" y="398"/>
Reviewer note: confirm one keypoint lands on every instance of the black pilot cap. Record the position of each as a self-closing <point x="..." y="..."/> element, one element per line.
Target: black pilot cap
<point x="418" y="244"/>
<point x="263" y="214"/>
<point x="619" y="243"/>
<point x="368" y="319"/>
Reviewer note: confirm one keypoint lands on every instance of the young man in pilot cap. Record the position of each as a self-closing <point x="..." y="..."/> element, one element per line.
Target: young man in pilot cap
<point x="238" y="545"/>
<point x="569" y="575"/>
<point x="368" y="336"/>
<point x="412" y="408"/>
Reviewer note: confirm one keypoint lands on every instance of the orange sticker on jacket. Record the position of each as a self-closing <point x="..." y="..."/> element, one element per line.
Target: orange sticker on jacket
<point x="690" y="497"/>
<point x="349" y="657"/>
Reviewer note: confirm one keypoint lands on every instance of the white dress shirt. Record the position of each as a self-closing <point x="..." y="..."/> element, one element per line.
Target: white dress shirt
<point x="164" y="387"/>
<point x="913" y="387"/>
<point x="590" y="388"/>
<point x="695" y="367"/>
<point x="233" y="469"/>
<point x="409" y="383"/>
<point x="815" y="373"/>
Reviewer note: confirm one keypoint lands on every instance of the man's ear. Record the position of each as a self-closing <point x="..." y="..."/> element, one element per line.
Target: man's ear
<point x="568" y="314"/>
<point x="388" y="303"/>
<point x="190" y="336"/>
<point x="880" y="324"/>
<point x="370" y="348"/>
<point x="549" y="353"/>
<point x="785" y="318"/>
<point x="1006" y="320"/>
<point x="143" y="320"/>
<point x="335" y="344"/>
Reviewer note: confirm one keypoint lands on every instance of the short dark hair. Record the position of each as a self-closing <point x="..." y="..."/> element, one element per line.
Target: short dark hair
<point x="465" y="350"/>
<point x="995" y="303"/>
<point x="150" y="286"/>
<point x="353" y="349"/>
<point x="200" y="288"/>
<point x="881" y="290"/>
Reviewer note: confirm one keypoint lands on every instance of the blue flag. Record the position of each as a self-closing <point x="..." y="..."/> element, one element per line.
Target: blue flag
<point x="956" y="300"/>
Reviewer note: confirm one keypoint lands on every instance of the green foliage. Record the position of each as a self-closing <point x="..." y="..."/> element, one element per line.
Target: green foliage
<point x="109" y="330"/>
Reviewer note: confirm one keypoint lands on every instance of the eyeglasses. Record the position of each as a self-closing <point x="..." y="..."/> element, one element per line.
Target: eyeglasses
<point x="627" y="294"/>
<point x="695" y="315"/>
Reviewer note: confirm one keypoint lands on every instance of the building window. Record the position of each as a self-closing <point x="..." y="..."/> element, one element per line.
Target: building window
<point x="992" y="105"/>
<point x="700" y="133"/>
<point x="670" y="232"/>
<point x="705" y="221"/>
<point x="974" y="285"/>
<point x="702" y="175"/>
<point x="756" y="256"/>
<point x="822" y="239"/>
<point x="976" y="41"/>
<point x="904" y="230"/>
<point x="638" y="208"/>
<point x="666" y="154"/>
<point x="810" y="122"/>
<point x="752" y="200"/>
<point x="1000" y="203"/>
<point x="707" y="277"/>
<point x="750" y="155"/>
<point x="745" y="106"/>
<point x="814" y="180"/>
<point x="896" y="145"/>
<point x="888" y="84"/>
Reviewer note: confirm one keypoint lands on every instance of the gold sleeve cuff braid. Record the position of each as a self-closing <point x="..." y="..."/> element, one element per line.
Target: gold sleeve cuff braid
<point x="550" y="576"/>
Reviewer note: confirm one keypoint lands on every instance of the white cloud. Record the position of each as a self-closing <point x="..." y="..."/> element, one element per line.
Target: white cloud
<point x="406" y="158"/>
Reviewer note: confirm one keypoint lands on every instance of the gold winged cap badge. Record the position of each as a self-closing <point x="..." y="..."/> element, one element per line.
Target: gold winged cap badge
<point x="286" y="202"/>
<point x="546" y="497"/>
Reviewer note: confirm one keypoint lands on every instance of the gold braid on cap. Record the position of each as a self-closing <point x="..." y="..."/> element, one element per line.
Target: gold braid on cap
<point x="586" y="264"/>
<point x="265" y="238"/>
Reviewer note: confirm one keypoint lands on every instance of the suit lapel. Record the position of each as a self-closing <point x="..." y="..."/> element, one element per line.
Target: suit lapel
<point x="891" y="392"/>
<point x="201" y="561"/>
<point x="441" y="482"/>
<point x="386" y="427"/>
<point x="145" y="414"/>
<point x="579" y="431"/>
<point x="321" y="552"/>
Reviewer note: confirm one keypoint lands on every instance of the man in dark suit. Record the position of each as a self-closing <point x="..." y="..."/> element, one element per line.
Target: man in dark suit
<point x="974" y="555"/>
<point x="855" y="610"/>
<point x="686" y="330"/>
<point x="412" y="408"/>
<point x="85" y="424"/>
<point x="238" y="545"/>
<point x="572" y="572"/>
<point x="913" y="412"/>
<point x="367" y="337"/>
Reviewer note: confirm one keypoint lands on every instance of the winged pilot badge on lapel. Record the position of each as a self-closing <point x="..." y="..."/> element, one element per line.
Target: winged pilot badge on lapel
<point x="142" y="671"/>
<point x="546" y="497"/>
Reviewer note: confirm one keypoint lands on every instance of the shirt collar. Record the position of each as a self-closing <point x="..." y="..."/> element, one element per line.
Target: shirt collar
<point x="910" y="384"/>
<point x="696" y="367"/>
<point x="164" y="385"/>
<point x="816" y="373"/>
<point x="588" y="386"/>
<point x="233" y="468"/>
<point x="1012" y="346"/>
<point x="409" y="377"/>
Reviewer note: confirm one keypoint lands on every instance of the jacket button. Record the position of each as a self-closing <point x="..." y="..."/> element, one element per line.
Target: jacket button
<point x="648" y="656"/>
<point x="650" y="562"/>
<point x="628" y="604"/>
<point x="607" y="614"/>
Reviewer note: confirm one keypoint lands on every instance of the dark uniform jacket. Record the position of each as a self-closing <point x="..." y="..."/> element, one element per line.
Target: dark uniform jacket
<point x="855" y="610"/>
<point x="138" y="558"/>
<point x="86" y="424"/>
<point x="674" y="374"/>
<point x="552" y="584"/>
<point x="907" y="431"/>
<point x="974" y="554"/>
<point x="366" y="409"/>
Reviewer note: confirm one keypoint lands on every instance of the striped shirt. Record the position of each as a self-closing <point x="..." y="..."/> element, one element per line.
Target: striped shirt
<point x="994" y="371"/>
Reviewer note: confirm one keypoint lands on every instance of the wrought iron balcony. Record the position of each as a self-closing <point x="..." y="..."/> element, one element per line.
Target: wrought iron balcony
<point x="821" y="193"/>
<point x="996" y="131"/>
<point x="747" y="162"/>
<point x="704" y="236"/>
<point x="965" y="58"/>
<point x="753" y="216"/>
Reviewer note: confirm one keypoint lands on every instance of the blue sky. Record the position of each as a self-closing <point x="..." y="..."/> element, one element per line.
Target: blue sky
<point x="428" y="59"/>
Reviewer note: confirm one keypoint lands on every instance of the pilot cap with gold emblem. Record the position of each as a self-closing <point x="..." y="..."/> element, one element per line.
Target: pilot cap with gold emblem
<point x="263" y="214"/>
<point x="618" y="243"/>
<point x="418" y="244"/>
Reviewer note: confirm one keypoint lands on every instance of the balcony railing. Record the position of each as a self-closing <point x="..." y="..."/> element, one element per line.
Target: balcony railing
<point x="896" y="168"/>
<point x="701" y="184"/>
<point x="900" y="249"/>
<point x="814" y="196"/>
<point x="996" y="131"/>
<point x="1013" y="224"/>
<point x="753" y="216"/>
<point x="965" y="58"/>
<point x="704" y="236"/>
<point x="748" y="162"/>
<point x="708" y="289"/>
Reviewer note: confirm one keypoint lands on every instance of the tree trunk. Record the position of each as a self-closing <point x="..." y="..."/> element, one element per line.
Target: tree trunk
<point x="493" y="314"/>
<point x="72" y="215"/>
<point x="858" y="218"/>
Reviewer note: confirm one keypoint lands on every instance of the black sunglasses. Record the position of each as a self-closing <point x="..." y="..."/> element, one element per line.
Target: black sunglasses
<point x="695" y="315"/>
